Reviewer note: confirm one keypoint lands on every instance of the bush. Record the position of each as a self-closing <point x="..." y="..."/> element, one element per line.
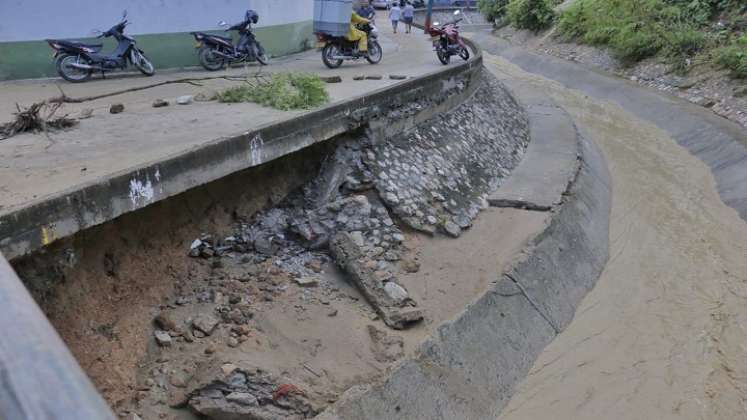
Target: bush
<point x="734" y="57"/>
<point x="530" y="14"/>
<point x="492" y="9"/>
<point x="284" y="91"/>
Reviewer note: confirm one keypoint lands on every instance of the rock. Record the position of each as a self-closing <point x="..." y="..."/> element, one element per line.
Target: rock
<point x="243" y="398"/>
<point x="159" y="103"/>
<point x="206" y="96"/>
<point x="306" y="281"/>
<point x="178" y="380"/>
<point x="315" y="266"/>
<point x="452" y="229"/>
<point x="116" y="108"/>
<point x="359" y="77"/>
<point x="165" y="320"/>
<point x="205" y="323"/>
<point x="410" y="266"/>
<point x="431" y="219"/>
<point x="391" y="256"/>
<point x="332" y="313"/>
<point x="391" y="198"/>
<point x="184" y="99"/>
<point x="331" y="79"/>
<point x="397" y="77"/>
<point x="357" y="237"/>
<point x="210" y="349"/>
<point x="395" y="291"/>
<point x="162" y="338"/>
<point x="398" y="237"/>
<point x="232" y="342"/>
<point x="133" y="416"/>
<point x="85" y="113"/>
<point x="228" y="368"/>
<point x="374" y="77"/>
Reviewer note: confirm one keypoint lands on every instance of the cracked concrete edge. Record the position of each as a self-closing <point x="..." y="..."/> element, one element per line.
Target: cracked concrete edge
<point x="551" y="160"/>
<point x="469" y="368"/>
<point x="48" y="219"/>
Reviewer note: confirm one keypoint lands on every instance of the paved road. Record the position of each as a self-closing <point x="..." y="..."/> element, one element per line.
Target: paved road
<point x="35" y="166"/>
<point x="662" y="336"/>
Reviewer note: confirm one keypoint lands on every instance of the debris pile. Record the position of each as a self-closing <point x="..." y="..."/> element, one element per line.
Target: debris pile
<point x="33" y="119"/>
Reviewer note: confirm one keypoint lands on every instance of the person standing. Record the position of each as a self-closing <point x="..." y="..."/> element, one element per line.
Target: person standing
<point x="408" y="14"/>
<point x="395" y="13"/>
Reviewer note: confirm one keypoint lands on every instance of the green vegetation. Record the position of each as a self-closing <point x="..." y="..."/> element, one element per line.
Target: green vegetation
<point x="522" y="14"/>
<point x="492" y="9"/>
<point x="283" y="91"/>
<point x="638" y="29"/>
<point x="734" y="57"/>
<point x="530" y="14"/>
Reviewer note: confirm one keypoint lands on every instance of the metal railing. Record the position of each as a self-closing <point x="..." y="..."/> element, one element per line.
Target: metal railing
<point x="39" y="378"/>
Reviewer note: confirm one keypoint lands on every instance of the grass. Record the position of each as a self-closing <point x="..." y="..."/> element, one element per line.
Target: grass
<point x="637" y="29"/>
<point x="733" y="57"/>
<point x="284" y="91"/>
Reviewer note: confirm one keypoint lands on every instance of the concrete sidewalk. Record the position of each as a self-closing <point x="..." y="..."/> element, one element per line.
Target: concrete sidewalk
<point x="35" y="166"/>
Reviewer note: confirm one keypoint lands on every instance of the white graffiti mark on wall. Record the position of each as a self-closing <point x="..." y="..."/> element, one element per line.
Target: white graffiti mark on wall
<point x="141" y="192"/>
<point x="255" y="149"/>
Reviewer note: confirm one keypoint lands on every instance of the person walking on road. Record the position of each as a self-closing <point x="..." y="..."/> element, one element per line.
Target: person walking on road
<point x="395" y="13"/>
<point x="408" y="14"/>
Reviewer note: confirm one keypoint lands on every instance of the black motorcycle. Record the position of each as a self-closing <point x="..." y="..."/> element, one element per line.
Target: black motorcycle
<point x="336" y="49"/>
<point x="76" y="61"/>
<point x="215" y="51"/>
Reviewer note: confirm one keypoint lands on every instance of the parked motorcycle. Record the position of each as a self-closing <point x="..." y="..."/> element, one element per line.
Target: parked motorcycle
<point x="447" y="42"/>
<point x="215" y="51"/>
<point x="76" y="61"/>
<point x="336" y="49"/>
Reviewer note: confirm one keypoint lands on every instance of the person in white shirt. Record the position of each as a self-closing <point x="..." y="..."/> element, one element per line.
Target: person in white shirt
<point x="395" y="13"/>
<point x="409" y="14"/>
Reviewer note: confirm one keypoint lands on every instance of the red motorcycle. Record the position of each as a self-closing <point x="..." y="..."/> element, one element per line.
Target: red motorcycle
<point x="447" y="42"/>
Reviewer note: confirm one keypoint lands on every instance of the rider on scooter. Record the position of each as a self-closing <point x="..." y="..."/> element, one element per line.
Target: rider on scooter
<point x="356" y="34"/>
<point x="251" y="17"/>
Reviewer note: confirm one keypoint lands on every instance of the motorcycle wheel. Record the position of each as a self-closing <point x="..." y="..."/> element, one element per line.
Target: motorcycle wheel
<point x="261" y="55"/>
<point x="464" y="54"/>
<point x="443" y="56"/>
<point x="210" y="61"/>
<point x="72" y="74"/>
<point x="329" y="51"/>
<point x="375" y="53"/>
<point x="142" y="63"/>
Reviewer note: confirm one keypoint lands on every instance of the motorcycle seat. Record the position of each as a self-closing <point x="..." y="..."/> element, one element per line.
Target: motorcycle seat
<point x="227" y="38"/>
<point x="78" y="44"/>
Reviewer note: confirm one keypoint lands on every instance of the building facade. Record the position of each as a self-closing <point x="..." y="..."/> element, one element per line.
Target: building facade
<point x="161" y="27"/>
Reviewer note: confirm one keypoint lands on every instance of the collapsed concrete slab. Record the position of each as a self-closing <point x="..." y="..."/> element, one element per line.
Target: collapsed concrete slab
<point x="388" y="298"/>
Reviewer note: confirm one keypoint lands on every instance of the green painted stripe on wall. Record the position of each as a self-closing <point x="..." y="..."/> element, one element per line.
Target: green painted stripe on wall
<point x="33" y="59"/>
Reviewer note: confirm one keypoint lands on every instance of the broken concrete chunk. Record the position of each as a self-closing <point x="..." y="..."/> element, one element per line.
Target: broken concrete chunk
<point x="159" y="103"/>
<point x="307" y="281"/>
<point x="162" y="338"/>
<point x="205" y="323"/>
<point x="398" y="314"/>
<point x="184" y="99"/>
<point x="116" y="108"/>
<point x="243" y="398"/>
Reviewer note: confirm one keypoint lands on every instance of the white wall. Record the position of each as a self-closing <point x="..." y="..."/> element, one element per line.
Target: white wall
<point x="26" y="20"/>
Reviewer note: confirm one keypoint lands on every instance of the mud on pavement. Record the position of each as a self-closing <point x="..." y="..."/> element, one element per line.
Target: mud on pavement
<point x="275" y="314"/>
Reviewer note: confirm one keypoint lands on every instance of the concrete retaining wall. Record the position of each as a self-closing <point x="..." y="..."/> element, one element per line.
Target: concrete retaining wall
<point x="387" y="111"/>
<point x="469" y="369"/>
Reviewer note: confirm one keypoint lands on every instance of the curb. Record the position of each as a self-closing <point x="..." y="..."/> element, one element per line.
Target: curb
<point x="469" y="368"/>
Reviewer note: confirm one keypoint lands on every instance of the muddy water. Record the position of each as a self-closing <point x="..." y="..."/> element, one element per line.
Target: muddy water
<point x="663" y="335"/>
